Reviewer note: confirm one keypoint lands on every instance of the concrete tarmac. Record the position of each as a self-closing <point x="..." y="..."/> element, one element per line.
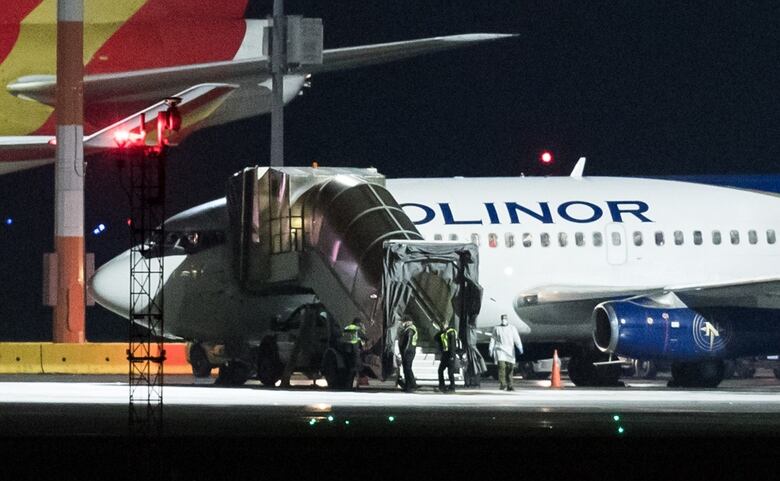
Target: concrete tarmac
<point x="98" y="406"/>
<point x="76" y="427"/>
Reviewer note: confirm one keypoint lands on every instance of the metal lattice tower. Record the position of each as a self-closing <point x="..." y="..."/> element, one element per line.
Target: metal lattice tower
<point x="146" y="353"/>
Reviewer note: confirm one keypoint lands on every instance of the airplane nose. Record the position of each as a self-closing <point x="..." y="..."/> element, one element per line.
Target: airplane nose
<point x="110" y="285"/>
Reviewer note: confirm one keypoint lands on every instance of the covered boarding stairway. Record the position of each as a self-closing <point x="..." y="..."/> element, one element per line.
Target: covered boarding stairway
<point x="340" y="234"/>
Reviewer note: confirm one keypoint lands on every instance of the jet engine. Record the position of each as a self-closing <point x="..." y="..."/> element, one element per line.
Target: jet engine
<point x="643" y="328"/>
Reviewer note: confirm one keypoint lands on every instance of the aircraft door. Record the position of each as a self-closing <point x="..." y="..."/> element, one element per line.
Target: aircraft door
<point x="617" y="243"/>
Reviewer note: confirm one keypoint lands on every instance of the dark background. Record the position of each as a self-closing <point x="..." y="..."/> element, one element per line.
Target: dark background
<point x="640" y="88"/>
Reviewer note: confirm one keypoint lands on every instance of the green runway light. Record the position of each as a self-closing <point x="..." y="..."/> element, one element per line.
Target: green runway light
<point x="616" y="417"/>
<point x="621" y="430"/>
<point x="346" y="422"/>
<point x="330" y="418"/>
<point x="312" y="422"/>
<point x="391" y="418"/>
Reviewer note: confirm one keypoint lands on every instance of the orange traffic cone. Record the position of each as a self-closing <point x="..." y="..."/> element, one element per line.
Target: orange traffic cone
<point x="555" y="378"/>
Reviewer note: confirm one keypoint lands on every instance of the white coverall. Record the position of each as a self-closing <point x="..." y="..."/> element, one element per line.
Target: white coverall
<point x="503" y="343"/>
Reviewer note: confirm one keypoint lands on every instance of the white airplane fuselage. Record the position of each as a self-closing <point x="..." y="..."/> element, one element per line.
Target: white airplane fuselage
<point x="538" y="239"/>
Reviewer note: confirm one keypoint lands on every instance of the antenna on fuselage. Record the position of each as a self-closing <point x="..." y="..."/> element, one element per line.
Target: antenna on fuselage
<point x="579" y="168"/>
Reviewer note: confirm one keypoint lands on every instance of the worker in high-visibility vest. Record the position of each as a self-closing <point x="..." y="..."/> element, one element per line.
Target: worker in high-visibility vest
<point x="353" y="339"/>
<point x="447" y="338"/>
<point x="407" y="344"/>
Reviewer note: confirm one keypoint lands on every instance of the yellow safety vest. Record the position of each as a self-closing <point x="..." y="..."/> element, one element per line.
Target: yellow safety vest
<point x="353" y="330"/>
<point x="413" y="328"/>
<point x="443" y="337"/>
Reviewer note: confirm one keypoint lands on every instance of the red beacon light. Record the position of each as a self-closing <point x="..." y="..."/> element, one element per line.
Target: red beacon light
<point x="121" y="138"/>
<point x="546" y="157"/>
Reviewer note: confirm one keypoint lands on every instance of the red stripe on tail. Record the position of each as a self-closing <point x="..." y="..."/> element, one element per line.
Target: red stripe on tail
<point x="165" y="33"/>
<point x="11" y="17"/>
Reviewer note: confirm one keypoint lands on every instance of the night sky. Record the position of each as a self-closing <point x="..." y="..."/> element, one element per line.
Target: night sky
<point x="640" y="88"/>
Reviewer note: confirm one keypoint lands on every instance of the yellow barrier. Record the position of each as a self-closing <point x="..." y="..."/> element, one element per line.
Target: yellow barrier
<point x="20" y="358"/>
<point x="96" y="358"/>
<point x="90" y="358"/>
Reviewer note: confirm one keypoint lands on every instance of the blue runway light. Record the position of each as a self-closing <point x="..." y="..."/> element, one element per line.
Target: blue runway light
<point x="101" y="227"/>
<point x="96" y="231"/>
<point x="9" y="221"/>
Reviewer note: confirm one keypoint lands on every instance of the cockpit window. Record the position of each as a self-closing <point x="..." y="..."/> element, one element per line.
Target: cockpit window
<point x="192" y="242"/>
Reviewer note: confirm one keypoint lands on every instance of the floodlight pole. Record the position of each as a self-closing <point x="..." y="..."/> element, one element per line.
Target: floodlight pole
<point x="69" y="175"/>
<point x="278" y="68"/>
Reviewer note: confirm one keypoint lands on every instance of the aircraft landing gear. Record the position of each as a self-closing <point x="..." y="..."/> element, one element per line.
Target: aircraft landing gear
<point x="697" y="374"/>
<point x="582" y="372"/>
<point x="233" y="373"/>
<point x="201" y="367"/>
<point x="269" y="366"/>
<point x="335" y="371"/>
<point x="645" y="369"/>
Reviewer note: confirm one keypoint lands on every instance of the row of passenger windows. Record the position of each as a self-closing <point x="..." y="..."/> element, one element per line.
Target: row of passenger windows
<point x="616" y="238"/>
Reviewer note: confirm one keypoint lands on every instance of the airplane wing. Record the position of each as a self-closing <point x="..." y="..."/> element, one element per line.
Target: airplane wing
<point x="112" y="96"/>
<point x="19" y="153"/>
<point x="557" y="302"/>
<point x="352" y="57"/>
<point x="754" y="292"/>
<point x="197" y="104"/>
<point x="153" y="84"/>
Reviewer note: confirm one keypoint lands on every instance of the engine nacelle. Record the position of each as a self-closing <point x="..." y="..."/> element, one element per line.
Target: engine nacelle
<point x="644" y="329"/>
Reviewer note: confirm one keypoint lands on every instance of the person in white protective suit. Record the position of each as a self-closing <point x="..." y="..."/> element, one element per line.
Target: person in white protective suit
<point x="502" y="346"/>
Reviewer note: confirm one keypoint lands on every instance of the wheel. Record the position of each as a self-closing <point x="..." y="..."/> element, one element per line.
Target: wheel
<point x="582" y="372"/>
<point x="745" y="369"/>
<point x="234" y="373"/>
<point x="697" y="374"/>
<point x="729" y="368"/>
<point x="645" y="369"/>
<point x="269" y="368"/>
<point x="628" y="370"/>
<point x="335" y="372"/>
<point x="201" y="367"/>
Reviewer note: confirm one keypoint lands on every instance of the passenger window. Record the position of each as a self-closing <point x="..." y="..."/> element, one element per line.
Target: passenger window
<point x="734" y="237"/>
<point x="770" y="236"/>
<point x="637" y="238"/>
<point x="752" y="237"/>
<point x="436" y="236"/>
<point x="659" y="238"/>
<point x="544" y="239"/>
<point x="453" y="237"/>
<point x="493" y="240"/>
<point x="716" y="237"/>
<point x="579" y="239"/>
<point x="697" y="239"/>
<point x="526" y="239"/>
<point x="475" y="239"/>
<point x="616" y="240"/>
<point x="598" y="240"/>
<point x="509" y="240"/>
<point x="563" y="239"/>
<point x="678" y="238"/>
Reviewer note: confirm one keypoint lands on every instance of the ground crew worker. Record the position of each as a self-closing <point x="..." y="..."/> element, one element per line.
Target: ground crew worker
<point x="408" y="346"/>
<point x="502" y="349"/>
<point x="447" y="339"/>
<point x="354" y="337"/>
